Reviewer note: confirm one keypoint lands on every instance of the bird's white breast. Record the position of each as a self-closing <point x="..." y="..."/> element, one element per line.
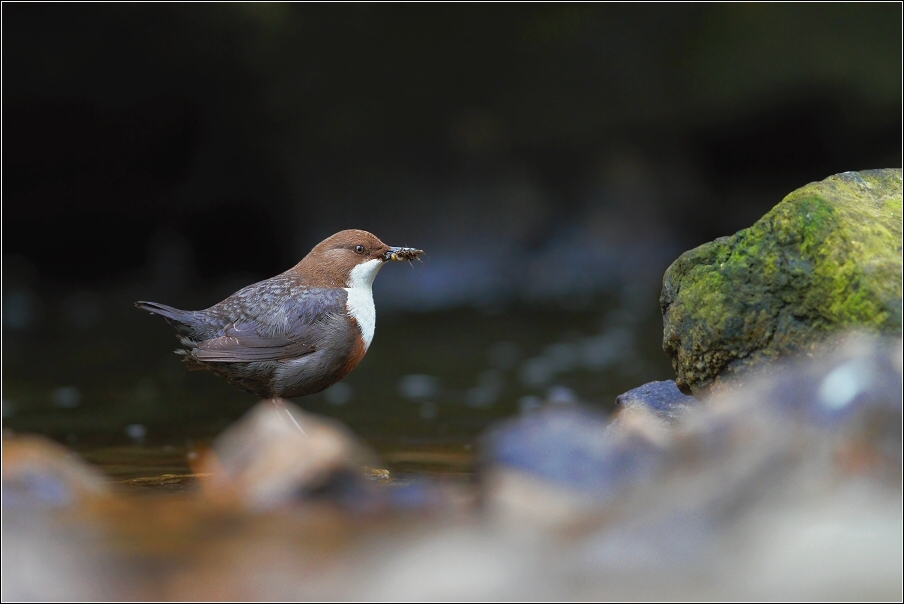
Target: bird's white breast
<point x="360" y="301"/>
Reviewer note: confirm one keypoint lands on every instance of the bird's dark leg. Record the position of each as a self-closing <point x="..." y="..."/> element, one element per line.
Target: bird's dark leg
<point x="279" y="404"/>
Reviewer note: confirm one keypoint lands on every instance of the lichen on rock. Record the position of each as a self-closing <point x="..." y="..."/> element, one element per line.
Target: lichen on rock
<point x="828" y="258"/>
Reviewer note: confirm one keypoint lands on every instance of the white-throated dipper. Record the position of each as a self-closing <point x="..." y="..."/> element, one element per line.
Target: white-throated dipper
<point x="296" y="333"/>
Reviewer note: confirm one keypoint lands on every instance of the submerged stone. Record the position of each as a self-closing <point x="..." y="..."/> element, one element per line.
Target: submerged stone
<point x="827" y="258"/>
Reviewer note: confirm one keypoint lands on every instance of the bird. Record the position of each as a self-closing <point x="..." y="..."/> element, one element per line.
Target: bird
<point x="296" y="333"/>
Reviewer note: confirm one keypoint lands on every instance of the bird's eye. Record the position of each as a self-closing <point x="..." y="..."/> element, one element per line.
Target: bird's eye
<point x="359" y="249"/>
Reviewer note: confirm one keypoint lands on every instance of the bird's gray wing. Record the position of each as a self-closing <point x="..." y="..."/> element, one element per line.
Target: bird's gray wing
<point x="289" y="330"/>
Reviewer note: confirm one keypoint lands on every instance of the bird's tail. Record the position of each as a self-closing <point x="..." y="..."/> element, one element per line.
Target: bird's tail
<point x="182" y="316"/>
<point x="186" y="322"/>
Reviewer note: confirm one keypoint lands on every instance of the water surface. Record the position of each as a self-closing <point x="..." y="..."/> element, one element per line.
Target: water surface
<point x="429" y="385"/>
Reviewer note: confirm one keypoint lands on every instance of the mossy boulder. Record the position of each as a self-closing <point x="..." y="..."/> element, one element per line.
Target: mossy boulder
<point x="824" y="260"/>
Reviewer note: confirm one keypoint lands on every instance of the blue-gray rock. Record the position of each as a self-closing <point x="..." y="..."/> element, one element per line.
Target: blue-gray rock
<point x="663" y="399"/>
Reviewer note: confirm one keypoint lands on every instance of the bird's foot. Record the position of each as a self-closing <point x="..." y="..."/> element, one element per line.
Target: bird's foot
<point x="279" y="404"/>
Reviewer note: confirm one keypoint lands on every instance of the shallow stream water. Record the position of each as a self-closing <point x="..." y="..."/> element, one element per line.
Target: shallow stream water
<point x="113" y="391"/>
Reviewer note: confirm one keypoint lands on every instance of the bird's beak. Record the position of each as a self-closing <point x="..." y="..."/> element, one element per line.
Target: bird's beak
<point x="401" y="253"/>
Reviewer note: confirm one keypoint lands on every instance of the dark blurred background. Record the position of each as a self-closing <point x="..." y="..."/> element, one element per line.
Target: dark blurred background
<point x="551" y="159"/>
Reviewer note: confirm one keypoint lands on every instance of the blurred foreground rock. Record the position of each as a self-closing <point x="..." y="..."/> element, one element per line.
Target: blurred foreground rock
<point x="824" y="260"/>
<point x="38" y="472"/>
<point x="788" y="488"/>
<point x="843" y="412"/>
<point x="47" y="553"/>
<point x="275" y="455"/>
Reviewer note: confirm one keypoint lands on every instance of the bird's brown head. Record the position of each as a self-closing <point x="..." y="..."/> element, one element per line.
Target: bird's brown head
<point x="350" y="258"/>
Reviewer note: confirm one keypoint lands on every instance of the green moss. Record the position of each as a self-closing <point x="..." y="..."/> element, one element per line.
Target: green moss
<point x="827" y="258"/>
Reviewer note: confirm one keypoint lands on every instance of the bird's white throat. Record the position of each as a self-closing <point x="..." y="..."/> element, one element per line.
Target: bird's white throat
<point x="360" y="302"/>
